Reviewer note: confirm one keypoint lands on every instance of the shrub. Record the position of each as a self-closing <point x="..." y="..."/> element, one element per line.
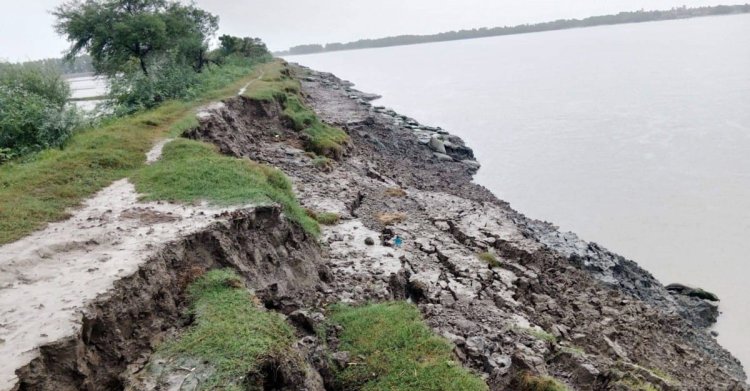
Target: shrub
<point x="33" y="110"/>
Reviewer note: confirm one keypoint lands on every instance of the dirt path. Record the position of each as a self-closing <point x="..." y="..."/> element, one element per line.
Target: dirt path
<point x="47" y="278"/>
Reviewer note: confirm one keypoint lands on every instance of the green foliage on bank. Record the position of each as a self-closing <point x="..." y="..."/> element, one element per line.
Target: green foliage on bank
<point x="41" y="187"/>
<point x="33" y="111"/>
<point x="393" y="349"/>
<point x="191" y="171"/>
<point x="278" y="85"/>
<point x="231" y="333"/>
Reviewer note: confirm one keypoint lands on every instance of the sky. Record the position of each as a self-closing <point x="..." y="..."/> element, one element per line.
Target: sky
<point x="26" y="31"/>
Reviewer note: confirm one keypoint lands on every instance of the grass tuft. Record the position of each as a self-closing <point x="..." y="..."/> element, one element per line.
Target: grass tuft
<point x="531" y="382"/>
<point x="231" y="333"/>
<point x="393" y="349"/>
<point x="490" y="259"/>
<point x="191" y="171"/>
<point x="390" y="218"/>
<point x="395" y="192"/>
<point x="325" y="218"/>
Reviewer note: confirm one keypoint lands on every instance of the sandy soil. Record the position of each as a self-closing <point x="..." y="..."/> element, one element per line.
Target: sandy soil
<point x="47" y="278"/>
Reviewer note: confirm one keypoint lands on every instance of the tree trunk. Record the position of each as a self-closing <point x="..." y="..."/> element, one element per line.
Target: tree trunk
<point x="143" y="66"/>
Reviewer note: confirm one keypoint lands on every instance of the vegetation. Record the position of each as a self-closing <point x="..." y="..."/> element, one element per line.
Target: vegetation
<point x="489" y="258"/>
<point x="390" y="218"/>
<point x="325" y="218"/>
<point x="531" y="382"/>
<point x="33" y="111"/>
<point x="277" y="85"/>
<point x="622" y="17"/>
<point x="39" y="188"/>
<point x="395" y="192"/>
<point x="231" y="333"/>
<point x="191" y="171"/>
<point x="152" y="50"/>
<point x="395" y="350"/>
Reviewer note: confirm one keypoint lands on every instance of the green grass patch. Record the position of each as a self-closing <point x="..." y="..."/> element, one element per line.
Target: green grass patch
<point x="40" y="188"/>
<point x="231" y="333"/>
<point x="531" y="382"/>
<point x="399" y="351"/>
<point x="490" y="259"/>
<point x="191" y="171"/>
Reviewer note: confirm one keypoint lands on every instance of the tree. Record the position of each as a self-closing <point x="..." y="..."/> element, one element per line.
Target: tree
<point x="121" y="35"/>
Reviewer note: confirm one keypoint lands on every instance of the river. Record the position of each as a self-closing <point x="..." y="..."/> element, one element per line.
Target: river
<point x="634" y="136"/>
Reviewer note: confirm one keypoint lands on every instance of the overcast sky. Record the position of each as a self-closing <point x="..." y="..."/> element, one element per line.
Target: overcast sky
<point x="26" y="25"/>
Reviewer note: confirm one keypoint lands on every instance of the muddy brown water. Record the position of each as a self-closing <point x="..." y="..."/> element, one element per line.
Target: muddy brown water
<point x="633" y="136"/>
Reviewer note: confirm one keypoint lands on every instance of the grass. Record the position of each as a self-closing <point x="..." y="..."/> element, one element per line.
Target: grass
<point x="230" y="333"/>
<point x="191" y="171"/>
<point x="277" y="85"/>
<point x="490" y="259"/>
<point x="394" y="350"/>
<point x="637" y="385"/>
<point x="537" y="333"/>
<point x="395" y="192"/>
<point x="41" y="188"/>
<point x="531" y="382"/>
<point x="390" y="218"/>
<point x="325" y="218"/>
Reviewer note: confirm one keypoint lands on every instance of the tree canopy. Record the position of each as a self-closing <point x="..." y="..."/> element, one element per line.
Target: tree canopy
<point x="121" y="35"/>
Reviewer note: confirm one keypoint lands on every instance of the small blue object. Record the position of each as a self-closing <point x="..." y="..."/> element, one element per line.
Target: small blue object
<point x="397" y="242"/>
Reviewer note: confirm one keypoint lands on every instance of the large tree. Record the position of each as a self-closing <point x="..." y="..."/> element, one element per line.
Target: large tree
<point x="121" y="35"/>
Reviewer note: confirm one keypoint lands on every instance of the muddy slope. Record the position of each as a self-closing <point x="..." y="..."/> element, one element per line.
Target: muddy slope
<point x="552" y="304"/>
<point x="278" y="260"/>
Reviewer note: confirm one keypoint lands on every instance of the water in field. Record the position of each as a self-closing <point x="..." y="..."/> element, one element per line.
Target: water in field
<point x="634" y="136"/>
<point x="87" y="86"/>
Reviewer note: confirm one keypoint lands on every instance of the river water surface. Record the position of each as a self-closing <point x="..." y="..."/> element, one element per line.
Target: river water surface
<point x="634" y="136"/>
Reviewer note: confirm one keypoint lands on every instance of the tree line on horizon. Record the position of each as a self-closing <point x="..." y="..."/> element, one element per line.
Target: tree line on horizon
<point x="620" y="18"/>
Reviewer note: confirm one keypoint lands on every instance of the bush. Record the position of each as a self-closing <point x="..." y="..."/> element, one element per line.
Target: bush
<point x="135" y="91"/>
<point x="33" y="111"/>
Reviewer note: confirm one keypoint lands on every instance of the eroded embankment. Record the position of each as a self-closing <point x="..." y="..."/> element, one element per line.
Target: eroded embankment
<point x="522" y="305"/>
<point x="545" y="303"/>
<point x="122" y="328"/>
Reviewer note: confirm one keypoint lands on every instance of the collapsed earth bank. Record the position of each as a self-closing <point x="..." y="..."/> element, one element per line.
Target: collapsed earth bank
<point x="515" y="296"/>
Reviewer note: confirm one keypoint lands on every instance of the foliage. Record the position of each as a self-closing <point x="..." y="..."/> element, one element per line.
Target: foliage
<point x="124" y="35"/>
<point x="33" y="111"/>
<point x="246" y="47"/>
<point x="231" y="333"/>
<point x="193" y="171"/>
<point x="490" y="259"/>
<point x="622" y="17"/>
<point x="531" y="382"/>
<point x="393" y="349"/>
<point x="42" y="187"/>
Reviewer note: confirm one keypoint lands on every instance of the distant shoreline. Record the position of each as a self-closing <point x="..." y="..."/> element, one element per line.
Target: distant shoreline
<point x="562" y="24"/>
